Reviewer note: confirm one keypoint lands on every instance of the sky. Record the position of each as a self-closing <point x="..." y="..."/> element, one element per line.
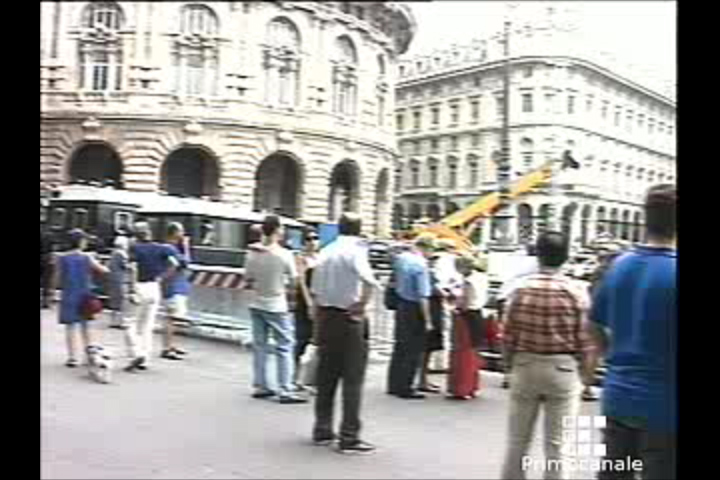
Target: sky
<point x="638" y="33"/>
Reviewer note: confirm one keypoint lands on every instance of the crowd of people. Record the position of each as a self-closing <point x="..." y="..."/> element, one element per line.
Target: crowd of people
<point x="554" y="329"/>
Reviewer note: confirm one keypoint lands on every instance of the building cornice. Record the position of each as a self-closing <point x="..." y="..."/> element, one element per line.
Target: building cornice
<point x="514" y="61"/>
<point x="180" y="121"/>
<point x="520" y="126"/>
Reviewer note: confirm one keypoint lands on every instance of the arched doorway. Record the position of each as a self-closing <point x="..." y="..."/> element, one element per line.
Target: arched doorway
<point x="625" y="232"/>
<point x="585" y="225"/>
<point x="344" y="189"/>
<point x="190" y="172"/>
<point x="543" y="217"/>
<point x="433" y="212"/>
<point x="277" y="185"/>
<point x="525" y="223"/>
<point x="415" y="212"/>
<point x="398" y="217"/>
<point x="637" y="230"/>
<point x="96" y="162"/>
<point x="568" y="214"/>
<point x="614" y="223"/>
<point x="601" y="221"/>
<point x="382" y="203"/>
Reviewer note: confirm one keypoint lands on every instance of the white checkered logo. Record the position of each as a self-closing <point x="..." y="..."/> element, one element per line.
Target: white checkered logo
<point x="582" y="436"/>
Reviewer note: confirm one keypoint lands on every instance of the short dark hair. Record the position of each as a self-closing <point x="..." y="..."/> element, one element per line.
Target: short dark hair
<point x="270" y="225"/>
<point x="350" y="224"/>
<point x="552" y="249"/>
<point x="660" y="211"/>
<point x="174" y="228"/>
<point x="255" y="233"/>
<point x="77" y="237"/>
<point x="310" y="234"/>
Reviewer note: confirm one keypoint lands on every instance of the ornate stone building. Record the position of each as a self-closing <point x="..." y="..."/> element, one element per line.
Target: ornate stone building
<point x="280" y="106"/>
<point x="448" y="119"/>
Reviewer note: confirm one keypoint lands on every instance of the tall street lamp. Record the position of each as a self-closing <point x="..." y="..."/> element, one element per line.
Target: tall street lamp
<point x="504" y="241"/>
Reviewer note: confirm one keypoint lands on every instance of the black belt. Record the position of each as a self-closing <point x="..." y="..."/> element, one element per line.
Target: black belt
<point x="336" y="309"/>
<point x="549" y="353"/>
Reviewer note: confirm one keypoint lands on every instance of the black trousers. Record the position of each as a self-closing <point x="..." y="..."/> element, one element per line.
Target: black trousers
<point x="408" y="349"/>
<point x="343" y="347"/>
<point x="46" y="274"/>
<point x="303" y="330"/>
<point x="655" y="450"/>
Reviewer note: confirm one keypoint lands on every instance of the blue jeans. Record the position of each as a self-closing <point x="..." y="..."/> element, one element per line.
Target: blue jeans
<point x="283" y="330"/>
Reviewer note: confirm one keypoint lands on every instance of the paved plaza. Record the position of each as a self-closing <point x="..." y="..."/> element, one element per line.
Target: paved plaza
<point x="195" y="419"/>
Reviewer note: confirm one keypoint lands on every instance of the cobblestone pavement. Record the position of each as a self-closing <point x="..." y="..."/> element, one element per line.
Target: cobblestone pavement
<point x="195" y="419"/>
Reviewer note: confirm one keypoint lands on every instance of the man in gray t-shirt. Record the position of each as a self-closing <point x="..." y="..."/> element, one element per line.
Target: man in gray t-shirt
<point x="268" y="270"/>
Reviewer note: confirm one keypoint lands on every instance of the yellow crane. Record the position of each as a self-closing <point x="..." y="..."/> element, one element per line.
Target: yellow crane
<point x="458" y="226"/>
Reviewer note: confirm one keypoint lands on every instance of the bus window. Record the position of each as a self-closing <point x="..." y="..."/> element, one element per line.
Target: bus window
<point x="293" y="238"/>
<point x="122" y="221"/>
<point x="58" y="220"/>
<point x="80" y="218"/>
<point x="208" y="236"/>
<point x="228" y="234"/>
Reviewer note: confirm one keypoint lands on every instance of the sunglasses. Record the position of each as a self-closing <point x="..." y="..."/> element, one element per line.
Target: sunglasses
<point x="313" y="238"/>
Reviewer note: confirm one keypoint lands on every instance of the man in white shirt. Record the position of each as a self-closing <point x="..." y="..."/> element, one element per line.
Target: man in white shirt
<point x="342" y="284"/>
<point x="267" y="271"/>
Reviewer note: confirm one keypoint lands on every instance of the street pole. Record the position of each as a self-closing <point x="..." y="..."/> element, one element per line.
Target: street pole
<point x="553" y="222"/>
<point x="504" y="241"/>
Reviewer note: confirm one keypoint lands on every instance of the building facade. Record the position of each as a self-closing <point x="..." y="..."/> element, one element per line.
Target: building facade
<point x="279" y="106"/>
<point x="449" y="108"/>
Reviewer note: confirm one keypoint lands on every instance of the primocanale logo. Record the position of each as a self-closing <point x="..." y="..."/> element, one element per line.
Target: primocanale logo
<point x="583" y="449"/>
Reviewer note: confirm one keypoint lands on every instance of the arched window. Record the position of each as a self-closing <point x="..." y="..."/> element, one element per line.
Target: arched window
<point x="381" y="90"/>
<point x="433" y="171"/>
<point x="282" y="63"/>
<point x="452" y="172"/>
<point x="103" y="15"/>
<point x="100" y="48"/>
<point x="415" y="173"/>
<point x="474" y="166"/>
<point x="398" y="177"/>
<point x="196" y="52"/>
<point x="381" y="65"/>
<point x="345" y="77"/>
<point x="526" y="146"/>
<point x="198" y="20"/>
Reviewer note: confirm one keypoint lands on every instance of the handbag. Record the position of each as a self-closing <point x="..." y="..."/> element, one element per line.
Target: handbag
<point x="390" y="297"/>
<point x="90" y="305"/>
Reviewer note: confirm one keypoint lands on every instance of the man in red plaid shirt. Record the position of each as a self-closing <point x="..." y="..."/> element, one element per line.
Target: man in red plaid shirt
<point x="548" y="344"/>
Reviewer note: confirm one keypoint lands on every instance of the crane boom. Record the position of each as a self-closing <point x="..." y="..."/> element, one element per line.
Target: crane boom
<point x="454" y="226"/>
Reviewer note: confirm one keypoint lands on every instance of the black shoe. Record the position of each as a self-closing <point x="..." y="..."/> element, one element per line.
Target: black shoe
<point x="292" y="399"/>
<point x="324" y="441"/>
<point x="263" y="393"/>
<point x="358" y="447"/>
<point x="136" y="364"/>
<point x="72" y="363"/>
<point x="170" y="355"/>
<point x="412" y="396"/>
<point x="179" y="351"/>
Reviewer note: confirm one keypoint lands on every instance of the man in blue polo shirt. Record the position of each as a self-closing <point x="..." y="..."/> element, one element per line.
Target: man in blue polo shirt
<point x="155" y="262"/>
<point x="412" y="318"/>
<point x="635" y="315"/>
